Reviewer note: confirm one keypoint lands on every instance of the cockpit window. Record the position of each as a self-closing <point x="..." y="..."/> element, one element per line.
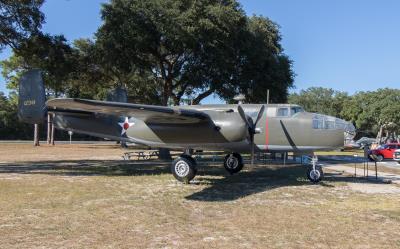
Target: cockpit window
<point x="295" y="110"/>
<point x="330" y="123"/>
<point x="283" y="112"/>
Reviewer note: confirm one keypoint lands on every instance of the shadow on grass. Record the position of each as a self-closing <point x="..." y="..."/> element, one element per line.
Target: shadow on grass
<point x="88" y="167"/>
<point x="256" y="180"/>
<point x="220" y="185"/>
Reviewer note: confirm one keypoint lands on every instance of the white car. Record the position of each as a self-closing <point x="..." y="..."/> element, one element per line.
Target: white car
<point x="396" y="155"/>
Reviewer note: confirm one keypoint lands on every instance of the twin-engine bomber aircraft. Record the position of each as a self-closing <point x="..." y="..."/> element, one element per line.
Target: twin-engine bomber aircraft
<point x="234" y="129"/>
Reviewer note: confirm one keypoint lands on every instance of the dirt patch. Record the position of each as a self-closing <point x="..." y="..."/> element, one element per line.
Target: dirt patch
<point x="371" y="188"/>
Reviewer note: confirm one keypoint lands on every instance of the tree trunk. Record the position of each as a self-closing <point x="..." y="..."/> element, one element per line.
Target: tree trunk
<point x="36" y="135"/>
<point x="164" y="154"/>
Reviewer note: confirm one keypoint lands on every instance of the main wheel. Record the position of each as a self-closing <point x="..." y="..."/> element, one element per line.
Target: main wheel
<point x="184" y="168"/>
<point x="233" y="163"/>
<point x="315" y="175"/>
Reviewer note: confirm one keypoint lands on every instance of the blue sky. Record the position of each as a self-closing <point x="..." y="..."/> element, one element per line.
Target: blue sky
<point x="348" y="45"/>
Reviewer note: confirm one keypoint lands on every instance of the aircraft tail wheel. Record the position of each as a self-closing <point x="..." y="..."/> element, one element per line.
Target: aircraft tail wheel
<point x="184" y="168"/>
<point x="315" y="175"/>
<point x="233" y="163"/>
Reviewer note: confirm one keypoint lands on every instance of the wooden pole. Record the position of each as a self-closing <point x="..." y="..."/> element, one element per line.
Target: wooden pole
<point x="48" y="128"/>
<point x="52" y="130"/>
<point x="36" y="135"/>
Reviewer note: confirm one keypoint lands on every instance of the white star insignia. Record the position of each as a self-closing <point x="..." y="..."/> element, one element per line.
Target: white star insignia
<point x="125" y="125"/>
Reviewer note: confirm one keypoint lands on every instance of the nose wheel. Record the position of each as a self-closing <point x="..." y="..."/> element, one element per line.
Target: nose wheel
<point x="184" y="168"/>
<point x="315" y="173"/>
<point x="233" y="163"/>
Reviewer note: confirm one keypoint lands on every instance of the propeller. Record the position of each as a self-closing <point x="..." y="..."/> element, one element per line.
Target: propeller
<point x="251" y="125"/>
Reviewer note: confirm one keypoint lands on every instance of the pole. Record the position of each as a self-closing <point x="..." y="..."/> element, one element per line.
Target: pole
<point x="284" y="158"/>
<point x="36" y="135"/>
<point x="376" y="171"/>
<point x="48" y="128"/>
<point x="52" y="130"/>
<point x="267" y="96"/>
<point x="355" y="169"/>
<point x="355" y="165"/>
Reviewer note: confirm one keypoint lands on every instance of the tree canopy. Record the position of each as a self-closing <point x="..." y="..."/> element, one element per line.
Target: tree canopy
<point x="19" y="19"/>
<point x="161" y="51"/>
<point x="320" y="100"/>
<point x="368" y="111"/>
<point x="193" y="48"/>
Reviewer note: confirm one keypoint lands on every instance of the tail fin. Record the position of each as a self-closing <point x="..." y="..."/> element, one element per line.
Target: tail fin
<point x="32" y="98"/>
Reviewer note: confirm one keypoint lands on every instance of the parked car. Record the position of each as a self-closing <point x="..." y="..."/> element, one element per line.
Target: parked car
<point x="396" y="155"/>
<point x="365" y="141"/>
<point x="351" y="145"/>
<point x="360" y="143"/>
<point x="385" y="151"/>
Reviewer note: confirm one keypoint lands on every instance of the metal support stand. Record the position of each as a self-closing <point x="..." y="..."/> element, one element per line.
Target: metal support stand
<point x="52" y="130"/>
<point x="355" y="166"/>
<point x="314" y="161"/>
<point x="284" y="158"/>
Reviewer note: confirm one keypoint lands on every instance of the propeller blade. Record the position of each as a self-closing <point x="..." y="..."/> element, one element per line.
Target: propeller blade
<point x="244" y="117"/>
<point x="260" y="114"/>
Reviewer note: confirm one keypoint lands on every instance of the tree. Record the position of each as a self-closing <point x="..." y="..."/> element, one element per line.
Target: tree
<point x="261" y="64"/>
<point x="94" y="77"/>
<point x="10" y="127"/>
<point x="321" y="100"/>
<point x="51" y="54"/>
<point x="372" y="110"/>
<point x="192" y="48"/>
<point x="19" y="20"/>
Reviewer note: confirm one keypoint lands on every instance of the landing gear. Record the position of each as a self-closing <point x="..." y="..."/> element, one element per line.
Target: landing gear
<point x="315" y="173"/>
<point x="184" y="168"/>
<point x="233" y="163"/>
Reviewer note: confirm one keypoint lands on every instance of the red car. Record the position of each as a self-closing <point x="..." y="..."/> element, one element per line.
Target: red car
<point x="385" y="151"/>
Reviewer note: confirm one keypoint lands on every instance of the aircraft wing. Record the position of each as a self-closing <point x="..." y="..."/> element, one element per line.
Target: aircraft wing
<point x="150" y="114"/>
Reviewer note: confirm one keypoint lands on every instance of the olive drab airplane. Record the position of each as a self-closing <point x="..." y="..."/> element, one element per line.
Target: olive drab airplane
<point x="233" y="129"/>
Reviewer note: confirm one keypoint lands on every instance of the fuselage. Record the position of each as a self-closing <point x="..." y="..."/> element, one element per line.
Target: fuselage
<point x="283" y="127"/>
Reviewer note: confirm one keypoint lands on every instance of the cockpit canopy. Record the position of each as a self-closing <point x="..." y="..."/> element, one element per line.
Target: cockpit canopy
<point x="284" y="111"/>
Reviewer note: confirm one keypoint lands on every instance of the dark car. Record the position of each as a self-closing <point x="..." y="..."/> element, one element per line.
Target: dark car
<point x="384" y="151"/>
<point x="365" y="141"/>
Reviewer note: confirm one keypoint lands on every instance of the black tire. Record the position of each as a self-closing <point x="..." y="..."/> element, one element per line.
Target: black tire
<point x="192" y="160"/>
<point x="379" y="158"/>
<point x="233" y="163"/>
<point x="184" y="168"/>
<point x="316" y="176"/>
<point x="398" y="162"/>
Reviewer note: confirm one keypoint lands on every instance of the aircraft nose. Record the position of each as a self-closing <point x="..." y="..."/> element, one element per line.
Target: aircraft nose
<point x="350" y="130"/>
<point x="347" y="127"/>
<point x="321" y="121"/>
